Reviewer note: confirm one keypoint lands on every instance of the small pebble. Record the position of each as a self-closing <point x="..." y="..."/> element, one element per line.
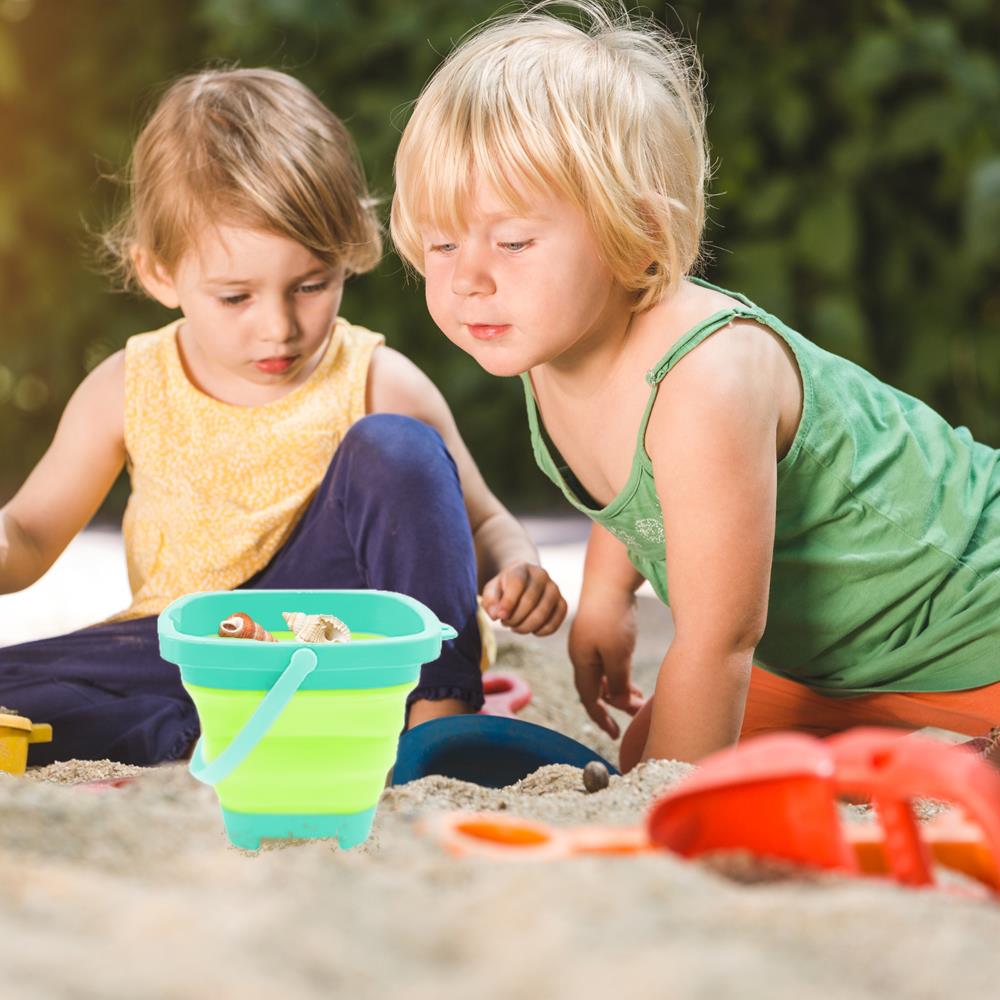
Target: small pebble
<point x="595" y="776"/>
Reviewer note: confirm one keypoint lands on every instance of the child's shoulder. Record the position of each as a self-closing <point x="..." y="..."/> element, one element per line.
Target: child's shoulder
<point x="680" y="332"/>
<point x="396" y="384"/>
<point x="99" y="400"/>
<point x="725" y="363"/>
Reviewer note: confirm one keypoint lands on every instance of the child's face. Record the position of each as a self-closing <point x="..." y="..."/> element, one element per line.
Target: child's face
<point x="258" y="309"/>
<point x="517" y="292"/>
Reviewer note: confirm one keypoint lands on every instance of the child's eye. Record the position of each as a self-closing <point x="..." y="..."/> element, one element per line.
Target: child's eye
<point x="516" y="246"/>
<point x="312" y="289"/>
<point x="442" y="247"/>
<point x="234" y="300"/>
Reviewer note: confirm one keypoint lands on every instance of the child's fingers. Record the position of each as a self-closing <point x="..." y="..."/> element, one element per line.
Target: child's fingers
<point x="601" y="716"/>
<point x="556" y="619"/>
<point x="521" y="606"/>
<point x="599" y="713"/>
<point x="617" y="686"/>
<point x="491" y="596"/>
<point x="632" y="704"/>
<point x="510" y="586"/>
<point x="636" y="699"/>
<point x="546" y="605"/>
<point x="589" y="676"/>
<point x="627" y="701"/>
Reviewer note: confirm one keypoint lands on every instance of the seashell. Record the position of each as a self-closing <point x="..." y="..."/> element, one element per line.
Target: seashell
<point x="316" y="628"/>
<point x="242" y="626"/>
<point x="595" y="776"/>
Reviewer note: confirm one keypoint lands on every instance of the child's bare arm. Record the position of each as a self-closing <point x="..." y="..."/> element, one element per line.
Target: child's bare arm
<point x="602" y="639"/>
<point x="516" y="590"/>
<point x="607" y="567"/>
<point x="712" y="441"/>
<point x="66" y="487"/>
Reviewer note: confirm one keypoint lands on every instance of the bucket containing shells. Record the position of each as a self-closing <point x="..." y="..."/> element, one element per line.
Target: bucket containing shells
<point x="301" y="696"/>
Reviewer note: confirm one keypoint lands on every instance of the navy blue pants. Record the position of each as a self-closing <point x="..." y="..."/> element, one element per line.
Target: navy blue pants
<point x="388" y="515"/>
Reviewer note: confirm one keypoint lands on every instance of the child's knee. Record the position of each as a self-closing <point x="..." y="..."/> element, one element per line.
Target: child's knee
<point x="396" y="454"/>
<point x="392" y="438"/>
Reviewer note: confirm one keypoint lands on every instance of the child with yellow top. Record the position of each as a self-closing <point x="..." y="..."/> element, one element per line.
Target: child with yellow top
<point x="269" y="442"/>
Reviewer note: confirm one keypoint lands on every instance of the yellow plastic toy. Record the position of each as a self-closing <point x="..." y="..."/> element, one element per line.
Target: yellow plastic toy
<point x="16" y="732"/>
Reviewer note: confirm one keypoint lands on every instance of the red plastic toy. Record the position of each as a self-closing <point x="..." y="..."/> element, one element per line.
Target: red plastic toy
<point x="505" y="694"/>
<point x="776" y="796"/>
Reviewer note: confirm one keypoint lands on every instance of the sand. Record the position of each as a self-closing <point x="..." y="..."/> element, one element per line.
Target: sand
<point x="133" y="892"/>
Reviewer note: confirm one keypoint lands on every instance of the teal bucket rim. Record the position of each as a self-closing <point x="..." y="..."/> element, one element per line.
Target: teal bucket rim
<point x="208" y="660"/>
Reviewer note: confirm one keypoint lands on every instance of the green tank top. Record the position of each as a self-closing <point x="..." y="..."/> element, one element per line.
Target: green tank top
<point x="886" y="569"/>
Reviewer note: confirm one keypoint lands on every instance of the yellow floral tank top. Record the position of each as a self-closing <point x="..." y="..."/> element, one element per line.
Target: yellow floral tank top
<point x="217" y="488"/>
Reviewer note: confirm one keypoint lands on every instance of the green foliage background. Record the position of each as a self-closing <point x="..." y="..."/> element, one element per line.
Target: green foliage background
<point x="857" y="191"/>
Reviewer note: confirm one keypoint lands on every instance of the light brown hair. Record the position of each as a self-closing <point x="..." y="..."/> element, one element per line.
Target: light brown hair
<point x="245" y="147"/>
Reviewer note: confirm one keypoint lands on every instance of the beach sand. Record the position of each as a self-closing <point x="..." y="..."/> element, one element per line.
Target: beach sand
<point x="134" y="893"/>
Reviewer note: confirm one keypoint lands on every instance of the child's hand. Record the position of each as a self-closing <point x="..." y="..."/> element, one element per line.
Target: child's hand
<point x="601" y="643"/>
<point x="525" y="598"/>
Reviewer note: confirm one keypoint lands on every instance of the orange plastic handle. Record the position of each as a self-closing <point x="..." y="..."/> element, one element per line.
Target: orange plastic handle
<point x="776" y="796"/>
<point x="954" y="843"/>
<point x="496" y="835"/>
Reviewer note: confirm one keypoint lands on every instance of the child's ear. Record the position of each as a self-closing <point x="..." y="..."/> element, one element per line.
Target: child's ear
<point x="155" y="278"/>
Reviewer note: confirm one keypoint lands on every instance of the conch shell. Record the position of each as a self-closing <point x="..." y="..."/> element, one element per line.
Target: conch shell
<point x="242" y="626"/>
<point x="316" y="628"/>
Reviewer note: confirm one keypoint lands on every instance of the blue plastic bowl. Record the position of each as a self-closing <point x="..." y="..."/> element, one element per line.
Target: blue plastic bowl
<point x="487" y="750"/>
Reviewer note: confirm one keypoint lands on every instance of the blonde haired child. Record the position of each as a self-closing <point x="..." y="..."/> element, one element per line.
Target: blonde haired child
<point x="806" y="516"/>
<point x="269" y="442"/>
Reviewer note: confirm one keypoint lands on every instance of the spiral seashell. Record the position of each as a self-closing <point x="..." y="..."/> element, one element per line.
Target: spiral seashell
<point x="242" y="626"/>
<point x="316" y="628"/>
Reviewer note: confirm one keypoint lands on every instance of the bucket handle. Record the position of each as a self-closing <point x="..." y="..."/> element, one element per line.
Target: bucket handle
<point x="301" y="665"/>
<point x="447" y="632"/>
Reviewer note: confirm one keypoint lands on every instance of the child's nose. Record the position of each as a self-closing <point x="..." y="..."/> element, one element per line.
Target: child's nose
<point x="280" y="326"/>
<point x="471" y="275"/>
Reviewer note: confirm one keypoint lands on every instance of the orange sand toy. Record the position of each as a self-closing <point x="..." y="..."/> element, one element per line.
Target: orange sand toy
<point x="16" y="732"/>
<point x="776" y="796"/>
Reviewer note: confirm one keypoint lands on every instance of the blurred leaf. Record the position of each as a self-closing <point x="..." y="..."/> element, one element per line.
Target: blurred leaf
<point x="758" y="268"/>
<point x="839" y="326"/>
<point x="826" y="234"/>
<point x="876" y="61"/>
<point x="792" y="118"/>
<point x="926" y="124"/>
<point x="770" y="202"/>
<point x="982" y="212"/>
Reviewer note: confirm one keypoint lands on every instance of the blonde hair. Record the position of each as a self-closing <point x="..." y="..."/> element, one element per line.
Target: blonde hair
<point x="609" y="115"/>
<point x="246" y="147"/>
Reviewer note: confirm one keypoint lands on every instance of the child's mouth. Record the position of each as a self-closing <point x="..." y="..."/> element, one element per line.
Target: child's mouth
<point x="275" y="366"/>
<point x="487" y="331"/>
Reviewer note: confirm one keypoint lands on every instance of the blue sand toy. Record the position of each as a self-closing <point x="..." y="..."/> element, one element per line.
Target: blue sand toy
<point x="493" y="751"/>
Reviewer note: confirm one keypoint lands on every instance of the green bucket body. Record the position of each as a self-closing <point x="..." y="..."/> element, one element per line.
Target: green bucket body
<point x="328" y="751"/>
<point x="325" y="755"/>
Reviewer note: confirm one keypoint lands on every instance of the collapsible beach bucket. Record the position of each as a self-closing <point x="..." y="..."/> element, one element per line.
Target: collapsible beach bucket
<point x="297" y="738"/>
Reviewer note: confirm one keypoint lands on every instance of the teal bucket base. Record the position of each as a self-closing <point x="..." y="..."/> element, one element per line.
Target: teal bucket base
<point x="247" y="830"/>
